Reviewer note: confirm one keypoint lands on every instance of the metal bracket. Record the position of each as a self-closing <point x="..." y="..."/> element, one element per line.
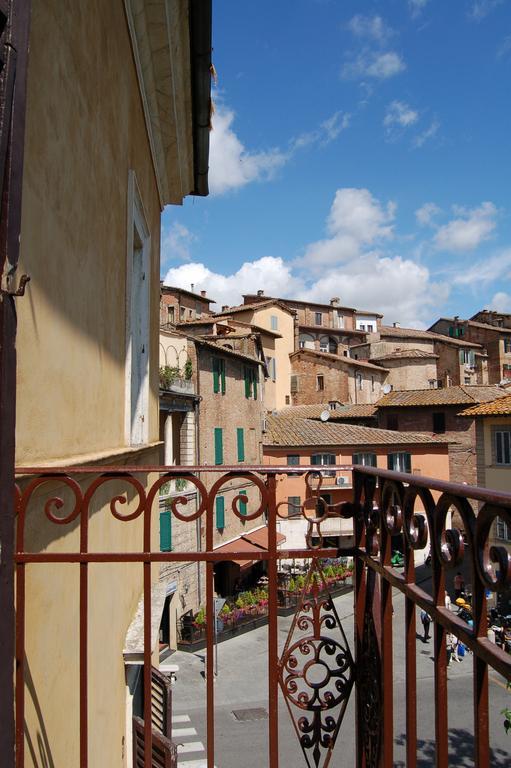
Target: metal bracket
<point x="7" y="288"/>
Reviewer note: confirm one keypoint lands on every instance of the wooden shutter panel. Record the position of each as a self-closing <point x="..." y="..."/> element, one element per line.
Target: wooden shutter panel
<point x="165" y="531"/>
<point x="219" y="445"/>
<point x="315" y="459"/>
<point x="408" y="462"/>
<point x="241" y="443"/>
<point x="246" y="372"/>
<point x="222" y="376"/>
<point x="243" y="504"/>
<point x="254" y="382"/>
<point x="391" y="460"/>
<point x="216" y="374"/>
<point x="220" y="512"/>
<point x="355" y="459"/>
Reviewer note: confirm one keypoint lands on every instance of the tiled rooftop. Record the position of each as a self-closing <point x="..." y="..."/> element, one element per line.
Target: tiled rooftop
<point x="403" y="354"/>
<point x="348" y="411"/>
<point x="469" y="395"/>
<point x="501" y="406"/>
<point x="415" y="333"/>
<point x="285" y="431"/>
<point x="328" y="357"/>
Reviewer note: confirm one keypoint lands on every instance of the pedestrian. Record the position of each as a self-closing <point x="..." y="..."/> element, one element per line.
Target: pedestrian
<point x="459" y="585"/>
<point x="447" y="601"/>
<point x="456" y="648"/>
<point x="426" y="621"/>
<point x="450" y="642"/>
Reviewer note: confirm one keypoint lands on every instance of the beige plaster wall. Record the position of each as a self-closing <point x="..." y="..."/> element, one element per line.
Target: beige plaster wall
<point x="411" y="373"/>
<point x="496" y="477"/>
<point x="372" y="384"/>
<point x="173" y="349"/>
<point x="84" y="132"/>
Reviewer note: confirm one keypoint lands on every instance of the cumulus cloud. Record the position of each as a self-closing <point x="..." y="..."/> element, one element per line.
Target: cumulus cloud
<point x="500" y="302"/>
<point x="175" y="243"/>
<point x="426" y="135"/>
<point x="374" y="64"/>
<point x="398" y="116"/>
<point x="486" y="271"/>
<point x="327" y="131"/>
<point x="426" y="213"/>
<point x="370" y="27"/>
<point x="468" y="230"/>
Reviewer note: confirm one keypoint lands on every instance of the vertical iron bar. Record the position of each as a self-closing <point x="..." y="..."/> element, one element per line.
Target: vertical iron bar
<point x="12" y="137"/>
<point x="210" y="618"/>
<point x="441" y="708"/>
<point x="84" y="613"/>
<point x="359" y="603"/>
<point x="386" y="646"/>
<point x="148" y="731"/>
<point x="273" y="651"/>
<point x="411" y="663"/>
<point x="481" y="723"/>
<point x="20" y="668"/>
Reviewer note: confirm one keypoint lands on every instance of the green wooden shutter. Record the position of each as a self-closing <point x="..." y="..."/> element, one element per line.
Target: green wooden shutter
<point x="165" y="531"/>
<point x="315" y="459"/>
<point x="243" y="504"/>
<point x="408" y="462"/>
<point x="222" y="376"/>
<point x="241" y="443"/>
<point x="220" y="512"/>
<point x="219" y="445"/>
<point x="391" y="460"/>
<point x="246" y="372"/>
<point x="355" y="459"/>
<point x="254" y="382"/>
<point x="216" y="374"/>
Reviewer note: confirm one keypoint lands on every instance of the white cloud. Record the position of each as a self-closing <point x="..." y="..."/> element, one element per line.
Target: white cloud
<point x="469" y="230"/>
<point x="398" y="116"/>
<point x="500" y="302"/>
<point x="175" y="242"/>
<point x="426" y="213"/>
<point x="504" y="48"/>
<point x="375" y="64"/>
<point x="481" y="8"/>
<point x="426" y="135"/>
<point x="486" y="271"/>
<point x="269" y="273"/>
<point x="328" y="131"/>
<point x="232" y="165"/>
<point x="371" y="27"/>
<point x="417" y="6"/>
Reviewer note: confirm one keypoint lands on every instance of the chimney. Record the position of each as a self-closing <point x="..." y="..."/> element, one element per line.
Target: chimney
<point x="456" y="318"/>
<point x="335" y="301"/>
<point x="260" y="292"/>
<point x="396" y="325"/>
<point x="203" y="293"/>
<point x="192" y="287"/>
<point x="225" y="307"/>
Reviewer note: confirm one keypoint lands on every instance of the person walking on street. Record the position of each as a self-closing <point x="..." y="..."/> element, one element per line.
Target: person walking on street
<point x="459" y="585"/>
<point x="426" y="621"/>
<point x="450" y="642"/>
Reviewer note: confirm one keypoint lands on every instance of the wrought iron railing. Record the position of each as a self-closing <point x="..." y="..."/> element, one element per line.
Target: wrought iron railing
<point x="316" y="670"/>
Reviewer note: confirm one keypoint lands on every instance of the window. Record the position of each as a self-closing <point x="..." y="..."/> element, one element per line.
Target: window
<point x="400" y="462"/>
<point x="318" y="318"/>
<point x="502" y="529"/>
<point x="190" y="314"/>
<point x="392" y="422"/>
<point x="372" y="383"/>
<point x="170" y="317"/>
<point x="506" y="371"/>
<point x="467" y="357"/>
<point x="272" y="368"/>
<point x="339" y="319"/>
<point x="323" y="344"/>
<point x="219" y="445"/>
<point x="503" y="446"/>
<point x="362" y="327"/>
<point x="274" y="321"/>
<point x="359" y="380"/>
<point x="365" y="459"/>
<point x="507" y="345"/>
<point x="250" y="379"/>
<point x="320" y="382"/>
<point x="294" y="506"/>
<point x="293" y="460"/>
<point x="370" y="327"/>
<point x="294" y="385"/>
<point x="219" y="375"/>
<point x="451" y="331"/>
<point x="240" y="442"/>
<point x="243" y="503"/>
<point x="439" y="423"/>
<point x="288" y="400"/>
<point x="324" y="460"/>
<point x="220" y="512"/>
<point x="182" y="313"/>
<point x="166" y="531"/>
<point x="466" y="379"/>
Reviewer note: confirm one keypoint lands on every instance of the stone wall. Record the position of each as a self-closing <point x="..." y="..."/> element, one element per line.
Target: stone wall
<point x="306" y="370"/>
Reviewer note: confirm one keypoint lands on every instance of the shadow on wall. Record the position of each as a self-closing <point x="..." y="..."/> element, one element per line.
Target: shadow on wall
<point x="461" y="751"/>
<point x="40" y="755"/>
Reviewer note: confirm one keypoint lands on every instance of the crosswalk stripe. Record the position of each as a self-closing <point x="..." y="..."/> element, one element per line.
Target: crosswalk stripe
<point x="177" y="732"/>
<point x="180" y="719"/>
<point x="191" y="746"/>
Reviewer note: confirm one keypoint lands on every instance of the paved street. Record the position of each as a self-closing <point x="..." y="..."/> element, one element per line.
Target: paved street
<point x="242" y="681"/>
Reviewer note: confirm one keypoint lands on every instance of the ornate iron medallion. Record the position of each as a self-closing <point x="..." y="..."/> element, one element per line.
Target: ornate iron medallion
<point x="316" y="670"/>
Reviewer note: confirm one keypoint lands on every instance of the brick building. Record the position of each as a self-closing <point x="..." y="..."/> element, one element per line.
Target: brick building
<point x="495" y="339"/>
<point x="319" y="376"/>
<point x="178" y="305"/>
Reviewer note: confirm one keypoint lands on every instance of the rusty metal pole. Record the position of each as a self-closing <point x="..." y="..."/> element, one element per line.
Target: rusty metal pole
<point x="14" y="30"/>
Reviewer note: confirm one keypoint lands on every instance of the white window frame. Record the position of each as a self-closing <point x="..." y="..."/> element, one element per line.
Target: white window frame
<point x="136" y="417"/>
<point x="502" y="433"/>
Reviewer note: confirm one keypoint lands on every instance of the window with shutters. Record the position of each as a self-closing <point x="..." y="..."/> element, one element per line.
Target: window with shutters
<point x="400" y="462"/>
<point x="166" y="531"/>
<point x="220" y="512"/>
<point x="507" y="345"/>
<point x="243" y="503"/>
<point x="318" y="318"/>
<point x="250" y="381"/>
<point x="502" y="529"/>
<point x="294" y="384"/>
<point x="274" y="320"/>
<point x="324" y="459"/>
<point x="359" y="380"/>
<point x="240" y="442"/>
<point x="218" y="364"/>
<point x="219" y="445"/>
<point x="439" y="423"/>
<point x="365" y="459"/>
<point x="503" y="447"/>
<point x="320" y="382"/>
<point x="294" y="508"/>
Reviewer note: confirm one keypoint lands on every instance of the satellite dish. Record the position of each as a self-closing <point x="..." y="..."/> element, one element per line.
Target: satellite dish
<point x="386" y="389"/>
<point x="324" y="415"/>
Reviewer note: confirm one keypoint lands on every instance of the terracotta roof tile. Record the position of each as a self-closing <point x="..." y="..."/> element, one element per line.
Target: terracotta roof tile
<point x="501" y="406"/>
<point x="305" y="432"/>
<point x="342" y="411"/>
<point x="219" y="349"/>
<point x="465" y="395"/>
<point x="403" y="354"/>
<point x="327" y="356"/>
<point x="416" y="333"/>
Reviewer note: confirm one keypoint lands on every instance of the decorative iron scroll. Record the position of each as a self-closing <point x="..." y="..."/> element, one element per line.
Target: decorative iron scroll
<point x="316" y="670"/>
<point x="369" y="691"/>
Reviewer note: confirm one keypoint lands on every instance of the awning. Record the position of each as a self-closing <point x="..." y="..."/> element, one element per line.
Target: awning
<point x="253" y="541"/>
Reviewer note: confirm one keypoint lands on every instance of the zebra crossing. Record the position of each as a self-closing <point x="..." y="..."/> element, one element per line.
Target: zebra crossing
<point x="190" y="753"/>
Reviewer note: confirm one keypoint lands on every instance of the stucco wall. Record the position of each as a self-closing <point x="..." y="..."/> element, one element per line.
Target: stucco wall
<point x="411" y="373"/>
<point x="173" y="350"/>
<point x="84" y="132"/>
<point x="497" y="477"/>
<point x="307" y="369"/>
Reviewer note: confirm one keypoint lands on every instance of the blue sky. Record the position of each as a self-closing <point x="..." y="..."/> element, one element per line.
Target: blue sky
<point x="359" y="149"/>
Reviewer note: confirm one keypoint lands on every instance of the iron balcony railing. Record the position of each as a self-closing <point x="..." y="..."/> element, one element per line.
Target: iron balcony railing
<point x="384" y="505"/>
